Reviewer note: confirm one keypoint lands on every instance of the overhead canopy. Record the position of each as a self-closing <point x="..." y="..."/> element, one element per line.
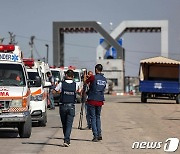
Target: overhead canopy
<point x="159" y="68"/>
<point x="159" y="60"/>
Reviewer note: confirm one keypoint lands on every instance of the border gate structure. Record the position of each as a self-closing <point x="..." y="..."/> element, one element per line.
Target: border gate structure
<point x="60" y="28"/>
<point x="139" y="26"/>
<point x="113" y="68"/>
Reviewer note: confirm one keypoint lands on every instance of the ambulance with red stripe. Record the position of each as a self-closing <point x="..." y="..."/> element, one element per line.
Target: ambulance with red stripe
<point x="38" y="101"/>
<point x="14" y="91"/>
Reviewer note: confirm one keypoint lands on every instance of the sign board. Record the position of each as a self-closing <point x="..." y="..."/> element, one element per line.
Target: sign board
<point x="111" y="53"/>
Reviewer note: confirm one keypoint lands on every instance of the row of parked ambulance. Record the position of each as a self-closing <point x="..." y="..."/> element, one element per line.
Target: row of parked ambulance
<point x="24" y="88"/>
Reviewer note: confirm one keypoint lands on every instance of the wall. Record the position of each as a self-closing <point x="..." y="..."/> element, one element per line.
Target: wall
<point x="113" y="70"/>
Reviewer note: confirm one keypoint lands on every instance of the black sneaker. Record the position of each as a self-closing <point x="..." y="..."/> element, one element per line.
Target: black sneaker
<point x="95" y="139"/>
<point x="99" y="137"/>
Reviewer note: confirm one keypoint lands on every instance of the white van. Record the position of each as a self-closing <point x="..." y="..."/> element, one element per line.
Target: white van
<point x="38" y="101"/>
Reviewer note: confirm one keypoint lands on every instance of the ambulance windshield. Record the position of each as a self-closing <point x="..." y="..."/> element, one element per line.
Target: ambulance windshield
<point x="11" y="75"/>
<point x="76" y="77"/>
<point x="32" y="77"/>
<point x="56" y="75"/>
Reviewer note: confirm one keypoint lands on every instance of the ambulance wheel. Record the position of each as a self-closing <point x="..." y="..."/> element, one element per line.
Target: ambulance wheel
<point x="178" y="99"/>
<point x="144" y="98"/>
<point x="25" y="128"/>
<point x="43" y="122"/>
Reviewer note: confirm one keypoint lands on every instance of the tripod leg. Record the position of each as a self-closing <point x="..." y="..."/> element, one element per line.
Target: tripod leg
<point x="80" y="121"/>
<point x="81" y="117"/>
<point x="79" y="126"/>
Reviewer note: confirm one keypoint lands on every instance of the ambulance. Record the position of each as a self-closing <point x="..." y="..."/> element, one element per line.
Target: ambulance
<point x="38" y="100"/>
<point x="44" y="67"/>
<point x="58" y="74"/>
<point x="14" y="91"/>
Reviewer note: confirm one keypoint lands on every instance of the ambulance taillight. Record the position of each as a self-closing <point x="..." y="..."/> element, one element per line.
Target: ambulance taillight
<point x="71" y="67"/>
<point x="28" y="62"/>
<point x="52" y="66"/>
<point x="7" y="48"/>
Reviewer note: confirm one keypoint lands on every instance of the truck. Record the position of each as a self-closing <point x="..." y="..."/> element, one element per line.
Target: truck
<point x="14" y="91"/>
<point x="159" y="78"/>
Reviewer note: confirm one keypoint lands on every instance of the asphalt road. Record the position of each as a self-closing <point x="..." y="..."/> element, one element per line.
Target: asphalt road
<point x="11" y="143"/>
<point x="124" y="121"/>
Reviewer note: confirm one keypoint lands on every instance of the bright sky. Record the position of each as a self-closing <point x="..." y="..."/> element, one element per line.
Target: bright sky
<point x="26" y="18"/>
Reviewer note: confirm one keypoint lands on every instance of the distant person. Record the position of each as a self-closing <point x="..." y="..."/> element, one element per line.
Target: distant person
<point x="51" y="98"/>
<point x="67" y="89"/>
<point x="96" y="100"/>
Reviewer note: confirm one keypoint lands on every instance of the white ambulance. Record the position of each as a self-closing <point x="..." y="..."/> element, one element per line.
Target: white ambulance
<point x="38" y="101"/>
<point x="14" y="91"/>
<point x="58" y="75"/>
<point x="44" y="67"/>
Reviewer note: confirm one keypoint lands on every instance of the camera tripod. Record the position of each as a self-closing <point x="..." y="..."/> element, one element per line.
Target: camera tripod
<point x="83" y="100"/>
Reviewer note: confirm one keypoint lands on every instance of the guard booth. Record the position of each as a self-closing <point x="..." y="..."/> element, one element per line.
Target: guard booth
<point x="159" y="79"/>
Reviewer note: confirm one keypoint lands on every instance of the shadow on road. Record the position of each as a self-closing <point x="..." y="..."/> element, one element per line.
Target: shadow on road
<point x="75" y="139"/>
<point x="57" y="127"/>
<point x="145" y="103"/>
<point x="42" y="143"/>
<point x="61" y="127"/>
<point x="8" y="133"/>
<point x="171" y="119"/>
<point x="35" y="124"/>
<point x="59" y="145"/>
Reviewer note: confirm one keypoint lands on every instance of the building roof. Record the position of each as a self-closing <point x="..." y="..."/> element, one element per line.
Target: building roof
<point x="159" y="60"/>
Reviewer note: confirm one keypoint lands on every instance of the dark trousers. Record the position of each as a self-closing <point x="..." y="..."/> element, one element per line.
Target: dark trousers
<point x="95" y="116"/>
<point x="51" y="98"/>
<point x="67" y="113"/>
<point x="87" y="111"/>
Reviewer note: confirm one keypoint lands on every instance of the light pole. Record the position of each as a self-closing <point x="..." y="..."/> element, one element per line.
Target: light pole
<point x="47" y="52"/>
<point x="1" y="40"/>
<point x="31" y="43"/>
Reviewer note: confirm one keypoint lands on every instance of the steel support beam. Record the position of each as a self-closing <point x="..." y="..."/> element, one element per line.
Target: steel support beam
<point x="58" y="38"/>
<point x="157" y="26"/>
